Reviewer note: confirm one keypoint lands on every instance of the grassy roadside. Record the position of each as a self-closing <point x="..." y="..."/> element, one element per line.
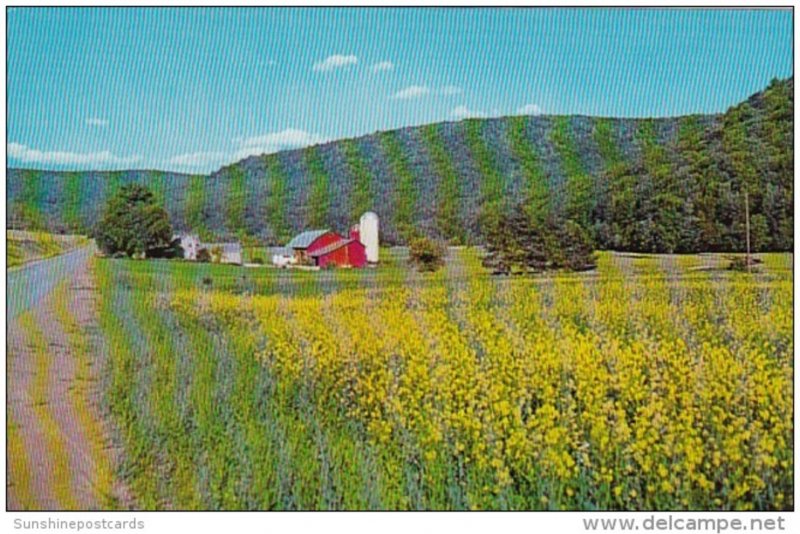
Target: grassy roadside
<point x="24" y="247"/>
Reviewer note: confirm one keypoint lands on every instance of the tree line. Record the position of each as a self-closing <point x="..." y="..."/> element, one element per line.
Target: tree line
<point x="660" y="185"/>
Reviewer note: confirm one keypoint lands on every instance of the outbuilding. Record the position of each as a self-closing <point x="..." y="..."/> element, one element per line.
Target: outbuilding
<point x="326" y="248"/>
<point x="344" y="253"/>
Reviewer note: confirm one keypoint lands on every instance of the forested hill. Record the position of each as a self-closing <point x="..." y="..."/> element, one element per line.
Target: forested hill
<point x="674" y="184"/>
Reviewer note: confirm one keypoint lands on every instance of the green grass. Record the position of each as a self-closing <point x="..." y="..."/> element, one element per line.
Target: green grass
<point x="24" y="247"/>
<point x="216" y="419"/>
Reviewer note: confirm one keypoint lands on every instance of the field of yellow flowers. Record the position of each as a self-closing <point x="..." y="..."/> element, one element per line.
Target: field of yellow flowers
<point x="654" y="383"/>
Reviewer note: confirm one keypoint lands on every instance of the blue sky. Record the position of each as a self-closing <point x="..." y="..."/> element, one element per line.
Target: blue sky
<point x="192" y="89"/>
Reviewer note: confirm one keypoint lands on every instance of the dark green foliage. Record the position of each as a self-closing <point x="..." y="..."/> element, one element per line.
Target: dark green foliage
<point x="277" y="199"/>
<point x="236" y="200"/>
<point x="426" y="254"/>
<point x="613" y="164"/>
<point x="318" y="194"/>
<point x="604" y="137"/>
<point x="361" y="197"/>
<point x="665" y="211"/>
<point x="133" y="223"/>
<point x="72" y="203"/>
<point x="22" y="215"/>
<point x="535" y="188"/>
<point x="448" y="194"/>
<point x="405" y="191"/>
<point x="25" y="211"/>
<point x="170" y="251"/>
<point x="578" y="187"/>
<point x="194" y="209"/>
<point x="574" y="251"/>
<point x="517" y="242"/>
<point x="157" y="183"/>
<point x="491" y="190"/>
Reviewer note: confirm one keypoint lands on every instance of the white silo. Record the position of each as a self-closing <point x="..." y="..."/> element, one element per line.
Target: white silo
<point x="368" y="226"/>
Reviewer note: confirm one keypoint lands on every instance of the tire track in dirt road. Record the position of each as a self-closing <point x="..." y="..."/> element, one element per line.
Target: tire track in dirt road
<point x="59" y="454"/>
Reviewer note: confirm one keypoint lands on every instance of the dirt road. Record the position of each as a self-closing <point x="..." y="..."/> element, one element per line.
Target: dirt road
<point x="58" y="454"/>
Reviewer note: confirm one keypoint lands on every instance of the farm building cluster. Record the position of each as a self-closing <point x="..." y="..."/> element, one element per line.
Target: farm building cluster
<point x="326" y="248"/>
<point x="196" y="250"/>
<point x="312" y="248"/>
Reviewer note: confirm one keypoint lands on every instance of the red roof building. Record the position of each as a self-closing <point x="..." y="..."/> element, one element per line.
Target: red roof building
<point x="325" y="248"/>
<point x="344" y="253"/>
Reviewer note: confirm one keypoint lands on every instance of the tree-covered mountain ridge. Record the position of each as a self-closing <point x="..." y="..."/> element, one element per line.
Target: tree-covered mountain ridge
<point x="651" y="185"/>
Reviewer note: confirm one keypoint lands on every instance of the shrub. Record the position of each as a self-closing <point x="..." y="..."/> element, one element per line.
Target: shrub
<point x="258" y="260"/>
<point x="216" y="254"/>
<point x="739" y="263"/>
<point x="203" y="255"/>
<point x="426" y="255"/>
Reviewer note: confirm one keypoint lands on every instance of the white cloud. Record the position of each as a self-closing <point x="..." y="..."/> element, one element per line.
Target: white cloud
<point x="197" y="159"/>
<point x="88" y="159"/>
<point x="417" y="91"/>
<point x="463" y="112"/>
<point x="290" y="137"/>
<point x="245" y="147"/>
<point x="451" y="90"/>
<point x="412" y="91"/>
<point x="529" y="109"/>
<point x="94" y="121"/>
<point x="335" y="61"/>
<point x="381" y="66"/>
<point x="275" y="141"/>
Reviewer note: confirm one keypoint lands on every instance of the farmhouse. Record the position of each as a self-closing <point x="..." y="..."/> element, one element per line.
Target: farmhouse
<point x="218" y="252"/>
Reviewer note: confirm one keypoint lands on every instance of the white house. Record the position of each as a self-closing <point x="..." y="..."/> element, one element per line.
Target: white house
<point x="190" y="243"/>
<point x="218" y="252"/>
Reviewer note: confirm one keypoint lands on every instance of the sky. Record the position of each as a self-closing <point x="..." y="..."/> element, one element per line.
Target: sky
<point x="191" y="89"/>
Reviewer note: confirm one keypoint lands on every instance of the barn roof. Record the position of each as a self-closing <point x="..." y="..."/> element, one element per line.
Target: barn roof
<point x="333" y="246"/>
<point x="305" y="239"/>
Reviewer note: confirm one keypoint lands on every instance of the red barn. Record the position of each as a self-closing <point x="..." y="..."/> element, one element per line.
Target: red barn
<point x="344" y="253"/>
<point x="324" y="247"/>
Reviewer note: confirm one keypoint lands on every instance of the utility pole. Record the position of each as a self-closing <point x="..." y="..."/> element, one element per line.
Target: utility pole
<point x="747" y="227"/>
